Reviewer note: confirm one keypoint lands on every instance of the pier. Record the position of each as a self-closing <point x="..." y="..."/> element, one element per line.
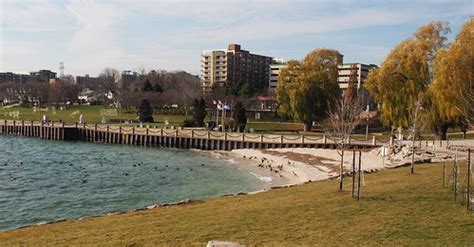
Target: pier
<point x="174" y="138"/>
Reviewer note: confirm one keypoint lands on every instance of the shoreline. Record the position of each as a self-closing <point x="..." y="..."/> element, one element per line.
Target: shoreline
<point x="281" y="168"/>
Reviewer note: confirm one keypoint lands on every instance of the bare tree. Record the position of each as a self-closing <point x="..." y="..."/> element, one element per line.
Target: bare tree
<point x="62" y="92"/>
<point x="342" y="119"/>
<point x="418" y="123"/>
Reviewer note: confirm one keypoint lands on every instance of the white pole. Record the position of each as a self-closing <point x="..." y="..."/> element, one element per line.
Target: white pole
<point x="223" y="114"/>
<point x="217" y="114"/>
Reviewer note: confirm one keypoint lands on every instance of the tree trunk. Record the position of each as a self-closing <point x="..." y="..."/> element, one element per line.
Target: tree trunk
<point x="307" y="126"/>
<point x="442" y="130"/>
<point x="413" y="156"/>
<point x="341" y="178"/>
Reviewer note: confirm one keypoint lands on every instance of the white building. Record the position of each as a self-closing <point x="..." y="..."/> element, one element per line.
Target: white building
<point x="357" y="72"/>
<point x="87" y="96"/>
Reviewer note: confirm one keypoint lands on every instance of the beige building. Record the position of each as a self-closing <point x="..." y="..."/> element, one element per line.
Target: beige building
<point x="213" y="68"/>
<point x="234" y="66"/>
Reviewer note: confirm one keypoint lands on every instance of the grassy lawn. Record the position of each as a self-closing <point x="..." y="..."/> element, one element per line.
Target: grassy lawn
<point x="275" y="126"/>
<point x="91" y="114"/>
<point x="396" y="208"/>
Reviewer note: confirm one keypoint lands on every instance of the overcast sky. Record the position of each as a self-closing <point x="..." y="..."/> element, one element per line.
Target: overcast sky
<point x="171" y="34"/>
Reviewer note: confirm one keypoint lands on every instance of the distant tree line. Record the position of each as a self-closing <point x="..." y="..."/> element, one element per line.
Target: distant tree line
<point x="162" y="89"/>
<point x="58" y="93"/>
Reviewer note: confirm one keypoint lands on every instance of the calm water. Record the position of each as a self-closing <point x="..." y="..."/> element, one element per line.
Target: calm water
<point x="50" y="180"/>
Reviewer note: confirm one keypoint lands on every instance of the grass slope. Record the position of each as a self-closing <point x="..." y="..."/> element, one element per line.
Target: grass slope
<point x="396" y="208"/>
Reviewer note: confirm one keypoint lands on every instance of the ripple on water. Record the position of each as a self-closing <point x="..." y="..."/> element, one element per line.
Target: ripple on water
<point x="64" y="180"/>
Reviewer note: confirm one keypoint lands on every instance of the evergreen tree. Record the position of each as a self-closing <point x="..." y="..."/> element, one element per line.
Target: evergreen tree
<point x="157" y="88"/>
<point x="145" y="112"/>
<point x="245" y="90"/>
<point x="239" y="116"/>
<point x="147" y="86"/>
<point x="199" y="111"/>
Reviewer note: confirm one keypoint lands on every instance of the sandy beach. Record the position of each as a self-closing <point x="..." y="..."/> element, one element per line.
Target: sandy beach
<point x="290" y="166"/>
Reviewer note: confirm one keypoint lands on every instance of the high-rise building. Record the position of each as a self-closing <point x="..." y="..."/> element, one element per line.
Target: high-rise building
<point x="234" y="66"/>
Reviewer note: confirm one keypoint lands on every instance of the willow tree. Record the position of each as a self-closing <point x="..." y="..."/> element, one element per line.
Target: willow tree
<point x="406" y="73"/>
<point x="306" y="89"/>
<point x="452" y="91"/>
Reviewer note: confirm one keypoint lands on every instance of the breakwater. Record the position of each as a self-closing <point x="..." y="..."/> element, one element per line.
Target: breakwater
<point x="177" y="138"/>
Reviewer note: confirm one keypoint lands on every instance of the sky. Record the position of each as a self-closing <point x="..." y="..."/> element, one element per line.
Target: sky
<point x="89" y="35"/>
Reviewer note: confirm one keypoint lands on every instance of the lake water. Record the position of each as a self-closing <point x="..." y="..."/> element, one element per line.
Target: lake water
<point x="50" y="180"/>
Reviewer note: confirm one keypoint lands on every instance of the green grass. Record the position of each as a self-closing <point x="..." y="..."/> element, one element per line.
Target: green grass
<point x="91" y="114"/>
<point x="275" y="126"/>
<point x="459" y="136"/>
<point x="396" y="208"/>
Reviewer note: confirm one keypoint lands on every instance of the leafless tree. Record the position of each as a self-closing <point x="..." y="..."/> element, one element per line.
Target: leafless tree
<point x="342" y="119"/>
<point x="418" y="123"/>
<point x="62" y="92"/>
<point x="178" y="87"/>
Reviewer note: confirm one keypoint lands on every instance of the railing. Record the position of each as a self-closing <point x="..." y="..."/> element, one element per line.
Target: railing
<point x="201" y="134"/>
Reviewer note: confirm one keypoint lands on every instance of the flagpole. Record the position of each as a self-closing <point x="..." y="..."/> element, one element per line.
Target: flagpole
<point x="223" y="113"/>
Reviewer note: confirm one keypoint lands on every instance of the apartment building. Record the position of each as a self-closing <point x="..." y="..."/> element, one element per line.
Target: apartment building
<point x="42" y="76"/>
<point x="86" y="80"/>
<point x="13" y="77"/>
<point x="357" y="72"/>
<point x="275" y="70"/>
<point x="36" y="76"/>
<point x="125" y="79"/>
<point x="234" y="66"/>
